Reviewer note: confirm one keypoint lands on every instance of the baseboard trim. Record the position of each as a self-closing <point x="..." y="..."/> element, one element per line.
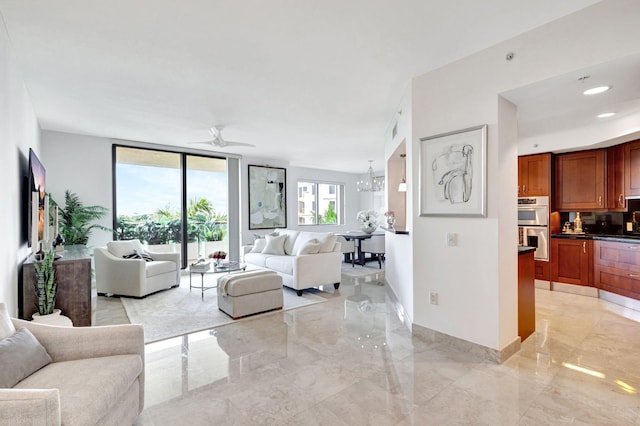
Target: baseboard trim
<point x="542" y="284"/>
<point x="627" y="302"/>
<point x="575" y="289"/>
<point x="479" y="351"/>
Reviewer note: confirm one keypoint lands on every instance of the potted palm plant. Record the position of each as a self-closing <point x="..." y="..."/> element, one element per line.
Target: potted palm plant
<point x="75" y="219"/>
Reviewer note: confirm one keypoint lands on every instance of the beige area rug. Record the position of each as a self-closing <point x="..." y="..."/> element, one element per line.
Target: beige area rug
<point x="361" y="271"/>
<point x="177" y="311"/>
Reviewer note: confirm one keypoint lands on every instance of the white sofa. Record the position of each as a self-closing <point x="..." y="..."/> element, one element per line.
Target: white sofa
<point x="134" y="277"/>
<point x="303" y="259"/>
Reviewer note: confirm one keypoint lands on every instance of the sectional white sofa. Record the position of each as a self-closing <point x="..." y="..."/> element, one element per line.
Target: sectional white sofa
<point x="303" y="259"/>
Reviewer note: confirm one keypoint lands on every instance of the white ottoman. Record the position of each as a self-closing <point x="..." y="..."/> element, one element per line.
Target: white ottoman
<point x="249" y="293"/>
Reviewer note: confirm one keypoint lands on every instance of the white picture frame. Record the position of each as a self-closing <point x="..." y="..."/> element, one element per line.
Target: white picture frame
<point x="453" y="173"/>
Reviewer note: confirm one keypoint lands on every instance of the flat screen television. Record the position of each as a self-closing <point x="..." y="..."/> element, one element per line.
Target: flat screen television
<point x="36" y="219"/>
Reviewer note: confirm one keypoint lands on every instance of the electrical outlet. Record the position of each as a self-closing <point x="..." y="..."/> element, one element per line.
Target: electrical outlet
<point x="452" y="239"/>
<point x="433" y="298"/>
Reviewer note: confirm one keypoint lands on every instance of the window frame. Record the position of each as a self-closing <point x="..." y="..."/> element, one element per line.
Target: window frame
<point x="315" y="193"/>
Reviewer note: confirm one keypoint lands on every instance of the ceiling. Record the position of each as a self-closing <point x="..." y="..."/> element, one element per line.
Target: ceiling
<point x="554" y="115"/>
<point x="315" y="84"/>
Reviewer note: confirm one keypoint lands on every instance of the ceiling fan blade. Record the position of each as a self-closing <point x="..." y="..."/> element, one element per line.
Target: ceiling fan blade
<point x="207" y="142"/>
<point x="231" y="143"/>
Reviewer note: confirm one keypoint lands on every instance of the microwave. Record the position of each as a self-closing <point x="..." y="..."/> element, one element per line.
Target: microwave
<point x="533" y="211"/>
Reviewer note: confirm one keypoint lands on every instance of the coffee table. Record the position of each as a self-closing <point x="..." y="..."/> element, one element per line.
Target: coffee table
<point x="228" y="268"/>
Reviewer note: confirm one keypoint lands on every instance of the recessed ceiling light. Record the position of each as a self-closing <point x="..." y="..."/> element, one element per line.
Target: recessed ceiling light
<point x="606" y="114"/>
<point x="596" y="90"/>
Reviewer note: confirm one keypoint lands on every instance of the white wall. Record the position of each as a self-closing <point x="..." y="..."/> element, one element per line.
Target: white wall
<point x="18" y="132"/>
<point x="476" y="279"/>
<point x="82" y="165"/>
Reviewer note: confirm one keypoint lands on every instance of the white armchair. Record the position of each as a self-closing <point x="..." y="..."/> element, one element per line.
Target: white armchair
<point x="375" y="246"/>
<point x="134" y="277"/>
<point x="348" y="248"/>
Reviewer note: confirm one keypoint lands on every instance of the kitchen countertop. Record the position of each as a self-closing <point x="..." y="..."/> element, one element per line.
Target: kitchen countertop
<point x="625" y="238"/>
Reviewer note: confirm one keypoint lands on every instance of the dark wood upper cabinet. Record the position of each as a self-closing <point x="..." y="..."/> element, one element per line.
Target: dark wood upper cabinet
<point x="580" y="181"/>
<point x="616" y="200"/>
<point x="632" y="168"/>
<point x="534" y="175"/>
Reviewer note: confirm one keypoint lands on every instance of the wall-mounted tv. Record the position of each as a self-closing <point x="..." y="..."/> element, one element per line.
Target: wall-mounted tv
<point x="36" y="202"/>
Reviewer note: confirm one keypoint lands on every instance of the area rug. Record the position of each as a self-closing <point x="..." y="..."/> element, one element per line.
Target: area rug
<point x="361" y="271"/>
<point x="177" y="311"/>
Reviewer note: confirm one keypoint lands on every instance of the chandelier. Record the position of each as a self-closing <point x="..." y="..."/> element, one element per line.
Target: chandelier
<point x="371" y="183"/>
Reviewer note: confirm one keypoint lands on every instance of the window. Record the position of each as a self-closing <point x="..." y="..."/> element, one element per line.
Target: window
<point x="171" y="199"/>
<point x="322" y="205"/>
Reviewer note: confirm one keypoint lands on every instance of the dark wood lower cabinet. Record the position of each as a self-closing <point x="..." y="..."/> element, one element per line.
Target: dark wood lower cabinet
<point x="617" y="268"/>
<point x="542" y="270"/>
<point x="73" y="275"/>
<point x="572" y="261"/>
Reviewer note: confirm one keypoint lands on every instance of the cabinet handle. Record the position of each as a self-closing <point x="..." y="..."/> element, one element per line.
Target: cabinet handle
<point x="632" y="247"/>
<point x="621" y="200"/>
<point x="633" y="275"/>
<point x="600" y="200"/>
<point x="584" y="246"/>
<point x="524" y="188"/>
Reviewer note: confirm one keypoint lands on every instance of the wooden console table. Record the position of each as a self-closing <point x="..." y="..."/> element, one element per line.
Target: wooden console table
<point x="73" y="275"/>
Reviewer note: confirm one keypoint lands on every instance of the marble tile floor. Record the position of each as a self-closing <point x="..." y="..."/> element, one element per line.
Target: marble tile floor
<point x="350" y="361"/>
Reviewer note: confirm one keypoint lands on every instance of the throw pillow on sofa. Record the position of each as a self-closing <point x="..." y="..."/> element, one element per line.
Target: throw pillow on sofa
<point x="275" y="245"/>
<point x="258" y="245"/>
<point x="327" y="241"/>
<point x="310" y="247"/>
<point x="21" y="355"/>
<point x="137" y="254"/>
<point x="292" y="236"/>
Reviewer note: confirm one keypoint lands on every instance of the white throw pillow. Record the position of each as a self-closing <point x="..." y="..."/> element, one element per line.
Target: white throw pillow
<point x="258" y="245"/>
<point x="292" y="236"/>
<point x="122" y="248"/>
<point x="275" y="245"/>
<point x="310" y="247"/>
<point x="6" y="326"/>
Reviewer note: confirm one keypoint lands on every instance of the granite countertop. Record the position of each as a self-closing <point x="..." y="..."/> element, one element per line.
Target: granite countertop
<point x="625" y="238"/>
<point x="525" y="250"/>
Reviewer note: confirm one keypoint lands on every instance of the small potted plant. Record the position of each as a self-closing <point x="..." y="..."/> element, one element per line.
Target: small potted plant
<point x="45" y="285"/>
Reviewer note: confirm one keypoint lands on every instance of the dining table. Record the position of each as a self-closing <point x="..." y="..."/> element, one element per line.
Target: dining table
<point x="358" y="236"/>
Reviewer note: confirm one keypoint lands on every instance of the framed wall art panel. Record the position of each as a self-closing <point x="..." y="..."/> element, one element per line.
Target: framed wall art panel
<point x="453" y="173"/>
<point x="267" y="197"/>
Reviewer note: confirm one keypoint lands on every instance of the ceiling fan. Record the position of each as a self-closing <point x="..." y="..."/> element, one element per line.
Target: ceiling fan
<point x="219" y="142"/>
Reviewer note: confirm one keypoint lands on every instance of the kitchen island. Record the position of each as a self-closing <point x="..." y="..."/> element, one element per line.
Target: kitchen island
<point x="526" y="292"/>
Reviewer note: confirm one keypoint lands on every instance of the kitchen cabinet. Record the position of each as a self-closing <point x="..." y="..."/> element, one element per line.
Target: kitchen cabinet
<point x="617" y="267"/>
<point x="632" y="168"/>
<point x="572" y="261"/>
<point x="541" y="270"/>
<point x="534" y="175"/>
<point x="616" y="200"/>
<point x="580" y="181"/>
